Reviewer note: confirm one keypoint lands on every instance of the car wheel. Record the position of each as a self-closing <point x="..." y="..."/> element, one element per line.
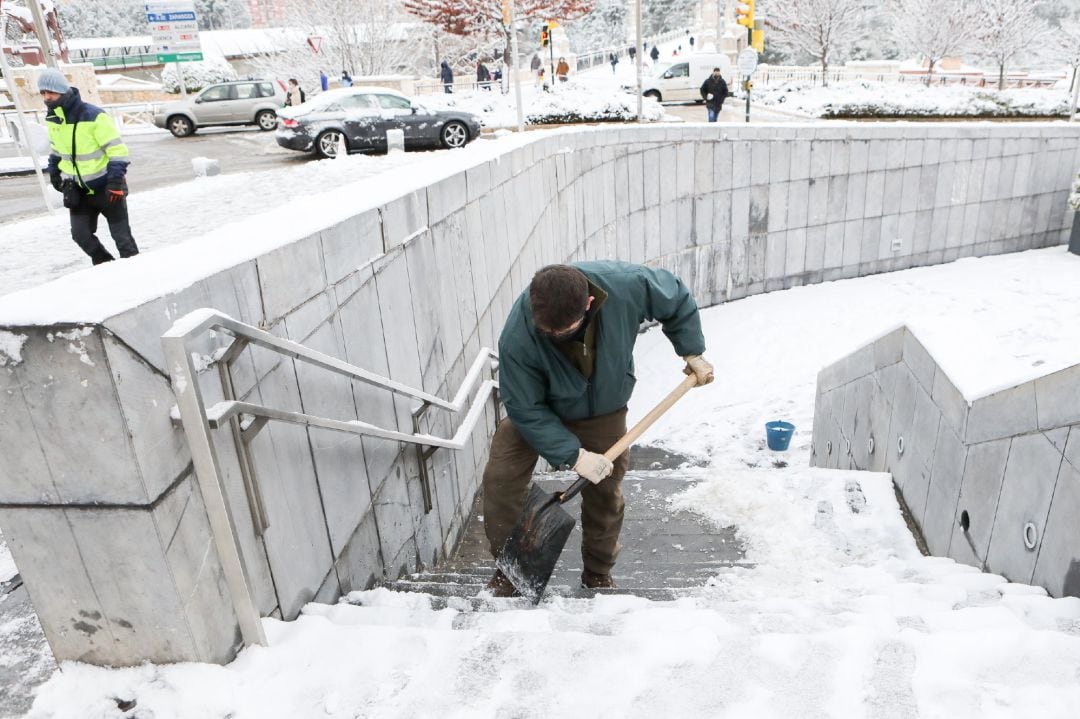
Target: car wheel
<point x="454" y="134"/>
<point x="654" y="95"/>
<point x="180" y="126"/>
<point x="326" y="145"/>
<point x="266" y="120"/>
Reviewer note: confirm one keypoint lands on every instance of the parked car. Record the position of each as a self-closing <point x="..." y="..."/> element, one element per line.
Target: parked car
<point x="240" y="102"/>
<point x="680" y="81"/>
<point x="360" y="116"/>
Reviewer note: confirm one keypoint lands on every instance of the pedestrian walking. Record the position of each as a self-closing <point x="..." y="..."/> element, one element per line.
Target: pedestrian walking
<point x="447" y="77"/>
<point x="713" y="91"/>
<point x="654" y="53"/>
<point x="87" y="163"/>
<point x="691" y="43"/>
<point x="614" y="60"/>
<point x="295" y="95"/>
<point x="346" y="79"/>
<point x="562" y="70"/>
<point x="632" y="52"/>
<point x="483" y="75"/>
<point x="535" y="63"/>
<point x="324" y="81"/>
<point x="563" y="378"/>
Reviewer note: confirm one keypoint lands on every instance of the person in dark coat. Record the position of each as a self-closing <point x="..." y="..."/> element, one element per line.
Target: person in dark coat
<point x="654" y="53"/>
<point x="632" y="52"/>
<point x="483" y="75"/>
<point x="565" y="376"/>
<point x="614" y="60"/>
<point x="447" y="77"/>
<point x="713" y="91"/>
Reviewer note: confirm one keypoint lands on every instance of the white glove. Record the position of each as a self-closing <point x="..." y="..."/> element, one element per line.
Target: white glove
<point x="709" y="96"/>
<point x="592" y="466"/>
<point x="699" y="367"/>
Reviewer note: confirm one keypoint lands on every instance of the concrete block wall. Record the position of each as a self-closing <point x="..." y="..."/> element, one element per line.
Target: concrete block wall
<point x="411" y="287"/>
<point x="994" y="483"/>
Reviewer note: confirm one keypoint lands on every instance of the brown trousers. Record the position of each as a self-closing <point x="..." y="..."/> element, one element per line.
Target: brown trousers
<point x="509" y="471"/>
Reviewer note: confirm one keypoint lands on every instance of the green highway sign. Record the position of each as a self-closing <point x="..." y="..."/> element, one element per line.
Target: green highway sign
<point x="179" y="57"/>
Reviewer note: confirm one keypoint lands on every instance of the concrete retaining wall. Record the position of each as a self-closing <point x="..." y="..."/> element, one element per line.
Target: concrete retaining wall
<point x="994" y="483"/>
<point x="97" y="497"/>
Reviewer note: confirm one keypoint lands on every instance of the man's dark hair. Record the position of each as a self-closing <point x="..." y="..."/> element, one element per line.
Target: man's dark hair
<point x="558" y="294"/>
<point x="292" y="81"/>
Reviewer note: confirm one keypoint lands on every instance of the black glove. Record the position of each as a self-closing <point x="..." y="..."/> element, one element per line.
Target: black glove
<point x="116" y="189"/>
<point x="56" y="181"/>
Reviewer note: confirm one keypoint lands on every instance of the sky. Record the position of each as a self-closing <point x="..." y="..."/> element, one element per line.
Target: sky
<point x="839" y="616"/>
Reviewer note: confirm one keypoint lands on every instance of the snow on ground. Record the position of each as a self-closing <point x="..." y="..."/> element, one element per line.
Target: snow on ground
<point x="913" y="99"/>
<point x="840" y="616"/>
<point x="576" y="100"/>
<point x="7" y="564"/>
<point x="990" y="323"/>
<point x="9" y="165"/>
<point x="40" y="249"/>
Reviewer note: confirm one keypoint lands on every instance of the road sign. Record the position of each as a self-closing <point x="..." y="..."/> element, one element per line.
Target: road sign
<point x="174" y="27"/>
<point x="747" y="61"/>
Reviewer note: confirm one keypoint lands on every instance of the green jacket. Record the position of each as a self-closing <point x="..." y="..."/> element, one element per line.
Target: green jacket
<point x="540" y="387"/>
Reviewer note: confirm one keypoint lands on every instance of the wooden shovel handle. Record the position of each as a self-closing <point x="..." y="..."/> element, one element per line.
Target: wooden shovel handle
<point x="636" y="431"/>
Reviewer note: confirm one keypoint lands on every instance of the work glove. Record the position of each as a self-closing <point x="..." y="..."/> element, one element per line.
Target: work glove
<point x="592" y="466"/>
<point x="56" y="181"/>
<point x="699" y="367"/>
<point x="117" y="190"/>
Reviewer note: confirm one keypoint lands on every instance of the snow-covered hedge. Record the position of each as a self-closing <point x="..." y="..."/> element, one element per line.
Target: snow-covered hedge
<point x="567" y="103"/>
<point x="197" y="75"/>
<point x="866" y="99"/>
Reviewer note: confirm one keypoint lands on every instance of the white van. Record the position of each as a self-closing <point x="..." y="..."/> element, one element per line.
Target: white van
<point x="680" y="79"/>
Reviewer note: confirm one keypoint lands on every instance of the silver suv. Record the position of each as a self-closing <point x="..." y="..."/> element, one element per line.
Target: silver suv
<point x="240" y="102"/>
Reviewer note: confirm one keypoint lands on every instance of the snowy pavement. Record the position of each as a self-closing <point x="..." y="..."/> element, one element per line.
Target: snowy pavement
<point x="840" y="616"/>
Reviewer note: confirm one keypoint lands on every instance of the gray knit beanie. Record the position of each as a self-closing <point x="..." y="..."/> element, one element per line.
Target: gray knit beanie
<point x="53" y="81"/>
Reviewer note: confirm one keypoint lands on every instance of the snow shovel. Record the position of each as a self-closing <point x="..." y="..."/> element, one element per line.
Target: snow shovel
<point x="532" y="550"/>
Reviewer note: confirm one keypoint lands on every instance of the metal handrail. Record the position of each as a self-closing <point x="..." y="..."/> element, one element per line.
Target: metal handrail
<point x="198" y="422"/>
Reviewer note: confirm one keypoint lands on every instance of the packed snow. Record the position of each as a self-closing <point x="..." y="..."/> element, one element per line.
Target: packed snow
<point x="869" y="99"/>
<point x="7" y="564"/>
<point x="839" y="615"/>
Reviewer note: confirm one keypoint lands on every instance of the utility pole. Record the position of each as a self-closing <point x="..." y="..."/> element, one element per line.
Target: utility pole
<point x="42" y="32"/>
<point x="638" y="52"/>
<point x="19" y="113"/>
<point x="510" y="18"/>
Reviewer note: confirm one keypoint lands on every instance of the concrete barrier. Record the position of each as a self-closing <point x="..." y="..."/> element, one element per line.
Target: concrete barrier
<point x="97" y="497"/>
<point x="994" y="483"/>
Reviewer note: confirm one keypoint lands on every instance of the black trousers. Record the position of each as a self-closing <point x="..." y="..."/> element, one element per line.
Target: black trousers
<point x="84" y="222"/>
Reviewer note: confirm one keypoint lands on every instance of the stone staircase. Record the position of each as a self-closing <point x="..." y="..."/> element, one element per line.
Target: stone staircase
<point x="664" y="553"/>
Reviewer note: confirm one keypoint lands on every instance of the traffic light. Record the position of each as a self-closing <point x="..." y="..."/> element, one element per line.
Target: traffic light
<point x="545" y="37"/>
<point x="758" y="40"/>
<point x="744" y="14"/>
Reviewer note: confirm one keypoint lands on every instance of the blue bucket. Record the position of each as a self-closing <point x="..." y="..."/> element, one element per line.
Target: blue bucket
<point x="778" y="434"/>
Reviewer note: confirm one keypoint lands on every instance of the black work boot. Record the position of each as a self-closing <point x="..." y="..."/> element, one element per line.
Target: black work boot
<point x="500" y="586"/>
<point x="595" y="580"/>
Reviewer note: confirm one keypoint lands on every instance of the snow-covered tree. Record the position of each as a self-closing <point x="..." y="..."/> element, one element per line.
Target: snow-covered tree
<point x="1064" y="46"/>
<point x="222" y="14"/>
<point x="102" y="18"/>
<point x="483" y="20"/>
<point x="822" y="29"/>
<point x="197" y="75"/>
<point x="1055" y="12"/>
<point x="659" y="16"/>
<point x="1006" y="29"/>
<point x="606" y="26"/>
<point x="934" y="29"/>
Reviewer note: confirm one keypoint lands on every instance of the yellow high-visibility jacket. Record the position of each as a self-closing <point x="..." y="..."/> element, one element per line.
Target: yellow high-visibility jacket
<point x="100" y="154"/>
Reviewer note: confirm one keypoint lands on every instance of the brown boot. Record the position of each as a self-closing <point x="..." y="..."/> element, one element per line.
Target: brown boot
<point x="500" y="586"/>
<point x="594" y="580"/>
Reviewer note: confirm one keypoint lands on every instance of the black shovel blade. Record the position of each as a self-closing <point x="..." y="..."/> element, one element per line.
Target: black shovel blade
<point x="532" y="550"/>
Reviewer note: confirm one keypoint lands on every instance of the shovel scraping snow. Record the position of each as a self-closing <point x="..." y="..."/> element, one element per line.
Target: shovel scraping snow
<point x="532" y="550"/>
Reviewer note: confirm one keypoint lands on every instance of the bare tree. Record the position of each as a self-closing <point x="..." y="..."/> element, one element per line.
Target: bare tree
<point x="821" y="29"/>
<point x="1006" y="28"/>
<point x="362" y="37"/>
<point x="934" y="29"/>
